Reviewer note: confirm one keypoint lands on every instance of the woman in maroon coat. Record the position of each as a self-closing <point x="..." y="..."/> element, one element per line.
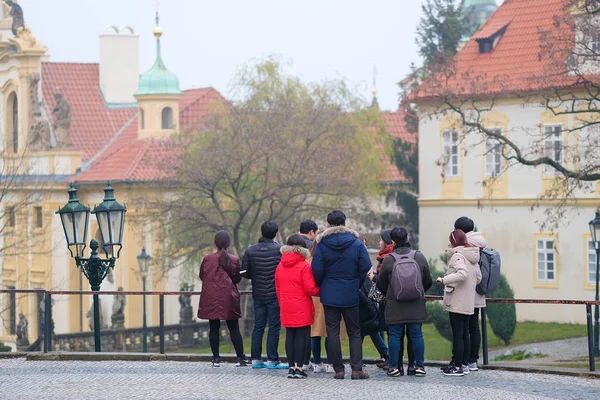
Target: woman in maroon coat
<point x="220" y="298"/>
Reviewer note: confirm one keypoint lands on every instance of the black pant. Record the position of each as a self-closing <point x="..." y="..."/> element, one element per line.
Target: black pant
<point x="409" y="350"/>
<point x="460" y="338"/>
<point x="333" y="318"/>
<point x="296" y="341"/>
<point x="234" y="332"/>
<point x="475" y="334"/>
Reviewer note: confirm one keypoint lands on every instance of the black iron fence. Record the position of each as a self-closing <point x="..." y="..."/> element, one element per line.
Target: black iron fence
<point x="195" y="334"/>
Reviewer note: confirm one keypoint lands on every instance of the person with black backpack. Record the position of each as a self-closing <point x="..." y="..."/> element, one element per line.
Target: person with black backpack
<point x="404" y="278"/>
<point x="489" y="264"/>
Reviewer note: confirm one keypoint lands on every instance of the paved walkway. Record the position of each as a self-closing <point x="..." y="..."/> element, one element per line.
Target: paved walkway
<point x="558" y="350"/>
<point x="21" y="379"/>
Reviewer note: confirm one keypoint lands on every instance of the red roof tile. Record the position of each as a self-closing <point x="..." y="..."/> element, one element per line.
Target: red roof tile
<point x="92" y="125"/>
<point x="514" y="65"/>
<point x="395" y="125"/>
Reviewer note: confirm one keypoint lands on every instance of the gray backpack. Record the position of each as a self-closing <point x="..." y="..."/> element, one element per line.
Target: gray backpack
<point x="407" y="279"/>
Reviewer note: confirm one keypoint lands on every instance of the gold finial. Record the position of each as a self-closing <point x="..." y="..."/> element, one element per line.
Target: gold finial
<point x="157" y="29"/>
<point x="374" y="90"/>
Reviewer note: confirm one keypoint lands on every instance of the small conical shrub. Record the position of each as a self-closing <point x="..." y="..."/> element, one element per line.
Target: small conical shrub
<point x="502" y="316"/>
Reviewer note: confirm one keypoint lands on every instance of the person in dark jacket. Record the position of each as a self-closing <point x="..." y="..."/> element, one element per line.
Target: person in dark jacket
<point x="401" y="315"/>
<point x="260" y="263"/>
<point x="308" y="231"/>
<point x="340" y="265"/>
<point x="220" y="298"/>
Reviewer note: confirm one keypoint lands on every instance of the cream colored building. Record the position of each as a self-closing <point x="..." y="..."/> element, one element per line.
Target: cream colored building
<point x="465" y="175"/>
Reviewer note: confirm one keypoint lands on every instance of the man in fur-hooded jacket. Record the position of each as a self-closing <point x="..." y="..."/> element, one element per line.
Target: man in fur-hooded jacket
<point x="340" y="265"/>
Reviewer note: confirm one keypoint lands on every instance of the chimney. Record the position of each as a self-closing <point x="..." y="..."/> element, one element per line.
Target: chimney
<point x="119" y="64"/>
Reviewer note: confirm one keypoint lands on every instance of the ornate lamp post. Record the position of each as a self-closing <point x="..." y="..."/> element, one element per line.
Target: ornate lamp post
<point x="111" y="218"/>
<point x="144" y="260"/>
<point x="595" y="231"/>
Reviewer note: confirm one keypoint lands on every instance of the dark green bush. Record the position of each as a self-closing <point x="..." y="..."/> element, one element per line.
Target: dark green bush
<point x="502" y="317"/>
<point x="440" y="319"/>
<point x="4" y="349"/>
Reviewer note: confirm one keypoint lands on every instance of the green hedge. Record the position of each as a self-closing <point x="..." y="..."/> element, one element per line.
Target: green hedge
<point x="4" y="349"/>
<point x="502" y="317"/>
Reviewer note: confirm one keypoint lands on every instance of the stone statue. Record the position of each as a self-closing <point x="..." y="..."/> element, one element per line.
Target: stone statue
<point x="186" y="312"/>
<point x="22" y="331"/>
<point x="39" y="129"/>
<point x="16" y="12"/>
<point x="118" y="311"/>
<point x="90" y="316"/>
<point x="62" y="124"/>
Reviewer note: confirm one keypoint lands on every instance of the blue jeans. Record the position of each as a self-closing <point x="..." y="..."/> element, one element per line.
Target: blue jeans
<point x="416" y="336"/>
<point x="379" y="343"/>
<point x="315" y="344"/>
<point x="266" y="311"/>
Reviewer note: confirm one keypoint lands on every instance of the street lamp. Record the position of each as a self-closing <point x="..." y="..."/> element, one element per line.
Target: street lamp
<point x="144" y="260"/>
<point x="111" y="218"/>
<point x="595" y="231"/>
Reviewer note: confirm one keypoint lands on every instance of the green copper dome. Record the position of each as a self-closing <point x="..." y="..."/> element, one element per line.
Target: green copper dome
<point x="477" y="13"/>
<point x="158" y="80"/>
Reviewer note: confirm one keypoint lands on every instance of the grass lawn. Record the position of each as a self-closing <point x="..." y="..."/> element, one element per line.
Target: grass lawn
<point x="438" y="348"/>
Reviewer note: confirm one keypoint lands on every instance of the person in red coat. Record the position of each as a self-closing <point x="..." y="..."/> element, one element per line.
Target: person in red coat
<point x="295" y="286"/>
<point x="220" y="298"/>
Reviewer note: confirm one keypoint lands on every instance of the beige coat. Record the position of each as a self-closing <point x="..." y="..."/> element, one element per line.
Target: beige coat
<point x="462" y="276"/>
<point x="476" y="239"/>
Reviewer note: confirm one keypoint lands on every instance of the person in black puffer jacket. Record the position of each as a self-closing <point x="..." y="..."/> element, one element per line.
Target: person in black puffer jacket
<point x="260" y="262"/>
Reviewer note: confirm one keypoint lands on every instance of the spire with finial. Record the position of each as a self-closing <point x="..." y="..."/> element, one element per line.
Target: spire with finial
<point x="374" y="102"/>
<point x="158" y="80"/>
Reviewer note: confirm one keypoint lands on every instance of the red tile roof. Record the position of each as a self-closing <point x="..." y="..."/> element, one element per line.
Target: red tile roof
<point x="514" y="65"/>
<point x="93" y="124"/>
<point x="395" y="124"/>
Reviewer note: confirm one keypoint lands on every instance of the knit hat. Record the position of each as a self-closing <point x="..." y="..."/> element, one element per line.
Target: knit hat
<point x="458" y="238"/>
<point x="385" y="236"/>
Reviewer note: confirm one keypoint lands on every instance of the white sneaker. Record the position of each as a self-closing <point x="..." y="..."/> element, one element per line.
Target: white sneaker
<point x="306" y="367"/>
<point x="329" y="369"/>
<point x="319" y="368"/>
<point x="466" y="369"/>
<point x="473" y="366"/>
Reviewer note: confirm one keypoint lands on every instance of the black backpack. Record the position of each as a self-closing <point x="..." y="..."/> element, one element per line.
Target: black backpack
<point x="489" y="263"/>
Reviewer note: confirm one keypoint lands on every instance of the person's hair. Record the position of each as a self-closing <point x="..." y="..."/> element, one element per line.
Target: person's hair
<point x="314" y="246"/>
<point x="465" y="224"/>
<point x="336" y="218"/>
<point x="223" y="241"/>
<point x="308" y="225"/>
<point x="269" y="230"/>
<point x="400" y="236"/>
<point x="296" y="240"/>
<point x="458" y="238"/>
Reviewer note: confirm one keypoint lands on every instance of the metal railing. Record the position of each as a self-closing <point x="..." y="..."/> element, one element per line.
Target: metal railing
<point x="48" y="325"/>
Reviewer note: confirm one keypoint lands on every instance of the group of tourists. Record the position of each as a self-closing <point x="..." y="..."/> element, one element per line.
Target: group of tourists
<point x="322" y="284"/>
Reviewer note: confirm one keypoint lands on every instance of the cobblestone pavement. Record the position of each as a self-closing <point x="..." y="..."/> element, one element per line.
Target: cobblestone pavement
<point x="21" y="379"/>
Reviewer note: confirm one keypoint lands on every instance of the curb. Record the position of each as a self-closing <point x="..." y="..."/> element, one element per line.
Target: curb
<point x="147" y="357"/>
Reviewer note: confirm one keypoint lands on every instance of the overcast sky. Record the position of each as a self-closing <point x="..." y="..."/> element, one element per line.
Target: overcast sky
<point x="205" y="42"/>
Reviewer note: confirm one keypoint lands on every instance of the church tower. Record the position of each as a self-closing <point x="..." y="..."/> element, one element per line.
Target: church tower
<point x="158" y="97"/>
<point x="477" y="13"/>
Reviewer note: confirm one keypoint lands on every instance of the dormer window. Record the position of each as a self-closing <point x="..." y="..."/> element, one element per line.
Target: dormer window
<point x="489" y="35"/>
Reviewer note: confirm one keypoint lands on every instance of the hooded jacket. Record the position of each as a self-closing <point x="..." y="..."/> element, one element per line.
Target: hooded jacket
<point x="295" y="284"/>
<point x="260" y="262"/>
<point x="462" y="276"/>
<point x="220" y="298"/>
<point x="476" y="239"/>
<point x="340" y="265"/>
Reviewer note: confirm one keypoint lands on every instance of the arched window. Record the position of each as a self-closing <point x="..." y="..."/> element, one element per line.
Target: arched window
<point x="167" y="118"/>
<point x="13" y="121"/>
<point x="142" y="119"/>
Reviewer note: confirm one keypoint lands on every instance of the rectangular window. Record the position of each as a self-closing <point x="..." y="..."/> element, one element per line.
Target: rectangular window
<point x="591" y="263"/>
<point x="38" y="217"/>
<point x="493" y="157"/>
<point x="451" y="156"/>
<point x="546" y="260"/>
<point x="12" y="305"/>
<point x="553" y="146"/>
<point x="10" y="216"/>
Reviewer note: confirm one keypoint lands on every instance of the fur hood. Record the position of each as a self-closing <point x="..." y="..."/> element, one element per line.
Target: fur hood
<point x="476" y="239"/>
<point x="295" y="249"/>
<point x="470" y="253"/>
<point x="334" y="230"/>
